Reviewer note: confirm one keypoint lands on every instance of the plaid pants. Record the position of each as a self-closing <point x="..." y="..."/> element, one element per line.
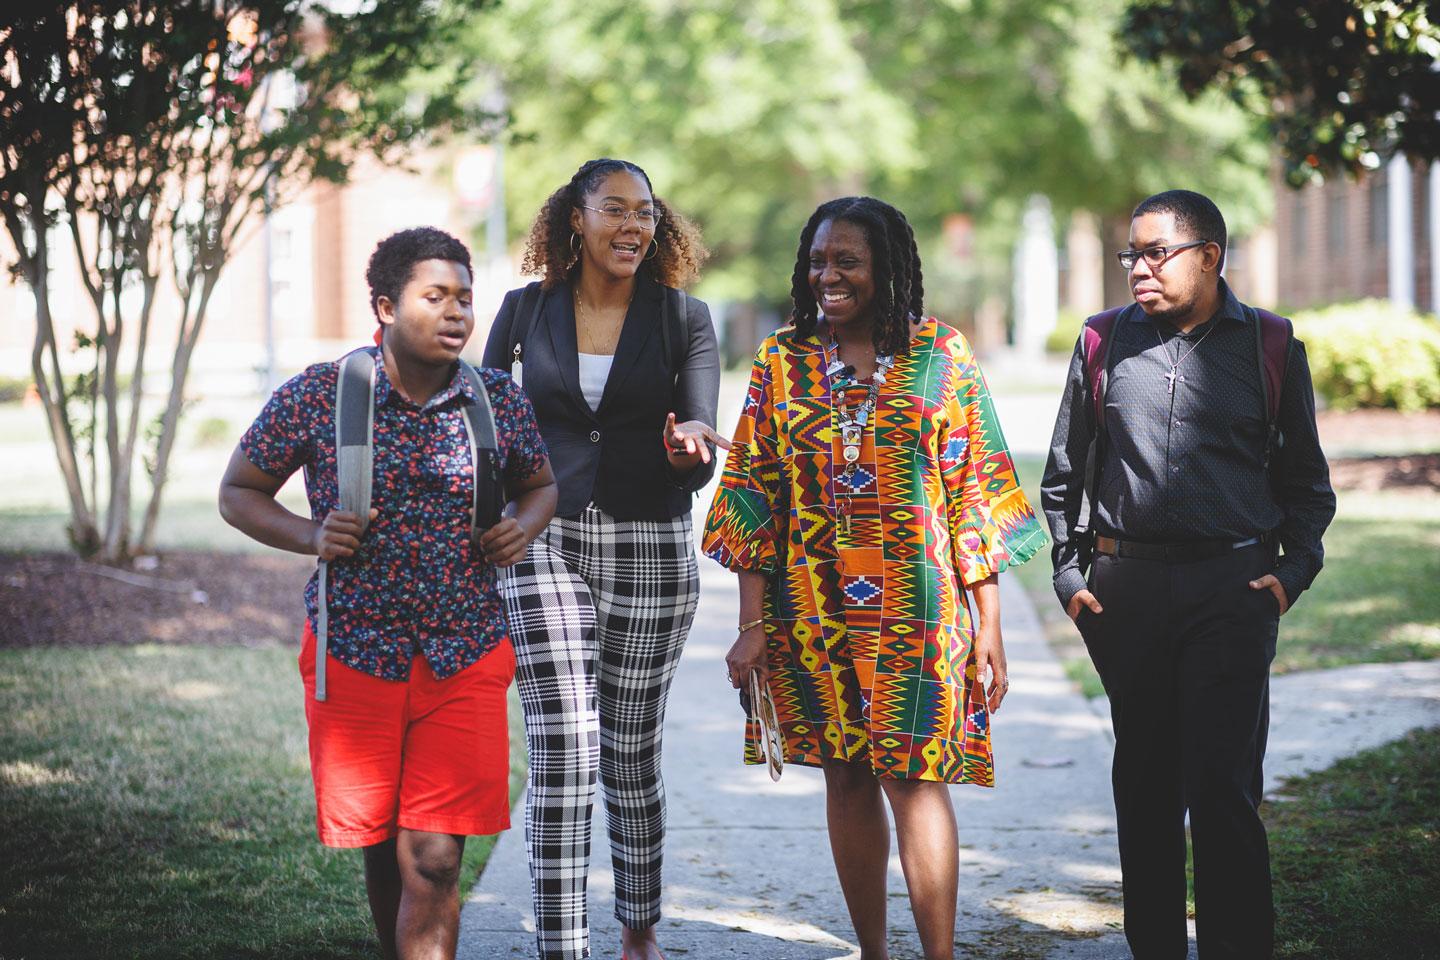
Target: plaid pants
<point x="603" y="606"/>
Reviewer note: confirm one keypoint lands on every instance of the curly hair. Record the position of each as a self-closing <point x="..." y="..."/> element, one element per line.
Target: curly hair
<point x="548" y="251"/>
<point x="393" y="262"/>
<point x="899" y="283"/>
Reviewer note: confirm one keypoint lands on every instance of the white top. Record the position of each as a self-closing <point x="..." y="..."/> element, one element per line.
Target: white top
<point x="594" y="371"/>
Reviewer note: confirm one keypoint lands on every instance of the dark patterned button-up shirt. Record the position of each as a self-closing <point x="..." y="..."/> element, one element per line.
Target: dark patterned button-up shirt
<point x="416" y="585"/>
<point x="1188" y="465"/>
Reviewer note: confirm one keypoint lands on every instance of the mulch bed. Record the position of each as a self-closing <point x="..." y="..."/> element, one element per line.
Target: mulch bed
<point x="246" y="599"/>
<point x="1419" y="473"/>
<point x="1360" y="429"/>
<point x="255" y="599"/>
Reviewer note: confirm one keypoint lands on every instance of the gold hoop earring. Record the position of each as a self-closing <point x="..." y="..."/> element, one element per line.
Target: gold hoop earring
<point x="575" y="243"/>
<point x="654" y="250"/>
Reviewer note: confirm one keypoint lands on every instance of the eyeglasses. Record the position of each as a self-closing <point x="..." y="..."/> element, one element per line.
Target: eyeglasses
<point x="1155" y="255"/>
<point x="614" y="215"/>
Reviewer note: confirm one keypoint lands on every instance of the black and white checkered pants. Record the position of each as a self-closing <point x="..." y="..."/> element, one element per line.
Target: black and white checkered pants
<point x="603" y="606"/>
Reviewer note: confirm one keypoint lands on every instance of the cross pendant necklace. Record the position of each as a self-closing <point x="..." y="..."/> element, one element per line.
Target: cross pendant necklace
<point x="1174" y="372"/>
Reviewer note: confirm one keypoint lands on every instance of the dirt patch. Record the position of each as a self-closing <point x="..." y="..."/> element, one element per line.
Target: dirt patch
<point x="1419" y="473"/>
<point x="1387" y="430"/>
<point x="249" y="599"/>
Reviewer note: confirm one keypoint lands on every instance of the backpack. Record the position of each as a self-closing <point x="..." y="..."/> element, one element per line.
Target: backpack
<point x="355" y="461"/>
<point x="532" y="299"/>
<point x="1273" y="335"/>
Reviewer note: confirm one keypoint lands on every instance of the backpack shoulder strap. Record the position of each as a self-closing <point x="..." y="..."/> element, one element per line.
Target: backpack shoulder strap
<point x="484" y="454"/>
<point x="1097" y="343"/>
<point x="1273" y="334"/>
<point x="355" y="430"/>
<point x="677" y="347"/>
<point x="354" y="471"/>
<point x="522" y="324"/>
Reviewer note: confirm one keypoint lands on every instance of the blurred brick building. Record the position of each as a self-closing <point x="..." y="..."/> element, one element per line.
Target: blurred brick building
<point x="318" y="249"/>
<point x="1348" y="240"/>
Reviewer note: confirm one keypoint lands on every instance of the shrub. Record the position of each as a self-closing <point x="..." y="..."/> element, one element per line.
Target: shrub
<point x="213" y="432"/>
<point x="13" y="389"/>
<point x="1372" y="354"/>
<point x="1067" y="331"/>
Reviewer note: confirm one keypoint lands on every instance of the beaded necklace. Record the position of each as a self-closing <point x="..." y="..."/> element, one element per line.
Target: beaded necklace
<point x="852" y="420"/>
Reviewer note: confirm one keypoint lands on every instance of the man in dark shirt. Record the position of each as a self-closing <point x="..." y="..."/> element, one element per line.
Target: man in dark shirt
<point x="1183" y="600"/>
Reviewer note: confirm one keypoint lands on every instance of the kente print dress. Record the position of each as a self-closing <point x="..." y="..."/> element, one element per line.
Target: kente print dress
<point x="870" y="636"/>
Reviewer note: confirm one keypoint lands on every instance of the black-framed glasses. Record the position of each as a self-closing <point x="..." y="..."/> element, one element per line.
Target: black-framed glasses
<point x="1155" y="255"/>
<point x="614" y="215"/>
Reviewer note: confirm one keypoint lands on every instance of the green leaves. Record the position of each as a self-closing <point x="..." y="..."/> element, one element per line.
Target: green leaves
<point x="746" y="115"/>
<point x="1344" y="82"/>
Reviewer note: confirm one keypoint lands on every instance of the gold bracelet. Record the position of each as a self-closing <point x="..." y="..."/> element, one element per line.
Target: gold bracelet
<point x="752" y="624"/>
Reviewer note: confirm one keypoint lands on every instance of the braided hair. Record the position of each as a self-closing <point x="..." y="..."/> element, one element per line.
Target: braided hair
<point x="899" y="284"/>
<point x="549" y="250"/>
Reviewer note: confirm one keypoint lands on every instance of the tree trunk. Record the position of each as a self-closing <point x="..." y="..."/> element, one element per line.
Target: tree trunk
<point x="124" y="486"/>
<point x="179" y="370"/>
<point x="1115" y="230"/>
<point x="83" y="533"/>
<point x="117" y="515"/>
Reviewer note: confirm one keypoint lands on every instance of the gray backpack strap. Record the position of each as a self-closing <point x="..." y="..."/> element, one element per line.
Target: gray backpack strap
<point x="354" y="471"/>
<point x="489" y="493"/>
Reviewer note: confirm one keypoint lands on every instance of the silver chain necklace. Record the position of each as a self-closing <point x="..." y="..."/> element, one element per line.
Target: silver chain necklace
<point x="1174" y="372"/>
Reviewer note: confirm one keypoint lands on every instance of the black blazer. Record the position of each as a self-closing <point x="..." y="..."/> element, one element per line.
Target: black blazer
<point x="614" y="455"/>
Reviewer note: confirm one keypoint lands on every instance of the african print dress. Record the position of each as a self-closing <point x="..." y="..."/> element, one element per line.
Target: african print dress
<point x="870" y="636"/>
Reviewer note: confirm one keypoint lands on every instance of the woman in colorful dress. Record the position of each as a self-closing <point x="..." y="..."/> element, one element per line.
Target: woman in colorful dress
<point x="868" y="499"/>
<point x="624" y="373"/>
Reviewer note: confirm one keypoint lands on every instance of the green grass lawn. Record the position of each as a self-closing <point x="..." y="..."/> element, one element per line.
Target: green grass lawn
<point x="156" y="802"/>
<point x="1356" y="856"/>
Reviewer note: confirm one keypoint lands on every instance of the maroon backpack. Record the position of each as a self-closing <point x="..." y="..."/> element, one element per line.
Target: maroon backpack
<point x="1272" y="349"/>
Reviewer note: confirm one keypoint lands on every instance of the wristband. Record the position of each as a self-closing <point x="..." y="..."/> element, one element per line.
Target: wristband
<point x="751" y="624"/>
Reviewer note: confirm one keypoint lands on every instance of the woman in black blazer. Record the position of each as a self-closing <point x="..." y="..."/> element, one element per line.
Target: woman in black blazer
<point x="624" y="373"/>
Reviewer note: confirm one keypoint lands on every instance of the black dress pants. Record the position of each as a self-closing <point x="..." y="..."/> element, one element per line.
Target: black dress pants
<point x="1184" y="651"/>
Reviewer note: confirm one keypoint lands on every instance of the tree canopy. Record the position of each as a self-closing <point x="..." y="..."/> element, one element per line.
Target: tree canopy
<point x="748" y="114"/>
<point x="152" y="133"/>
<point x="1345" y="83"/>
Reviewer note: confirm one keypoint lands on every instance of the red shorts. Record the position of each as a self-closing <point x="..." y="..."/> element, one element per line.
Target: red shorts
<point x="430" y="755"/>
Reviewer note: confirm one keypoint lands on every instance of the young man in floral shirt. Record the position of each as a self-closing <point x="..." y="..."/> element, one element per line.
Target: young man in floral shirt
<point x="408" y="746"/>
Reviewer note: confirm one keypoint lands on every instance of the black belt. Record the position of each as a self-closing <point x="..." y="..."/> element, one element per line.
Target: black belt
<point x="1173" y="552"/>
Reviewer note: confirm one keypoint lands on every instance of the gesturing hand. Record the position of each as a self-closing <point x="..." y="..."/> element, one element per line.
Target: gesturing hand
<point x="338" y="535"/>
<point x="688" y="438"/>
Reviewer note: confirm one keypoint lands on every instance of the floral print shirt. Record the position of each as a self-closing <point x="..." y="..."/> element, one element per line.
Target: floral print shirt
<point x="417" y="584"/>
